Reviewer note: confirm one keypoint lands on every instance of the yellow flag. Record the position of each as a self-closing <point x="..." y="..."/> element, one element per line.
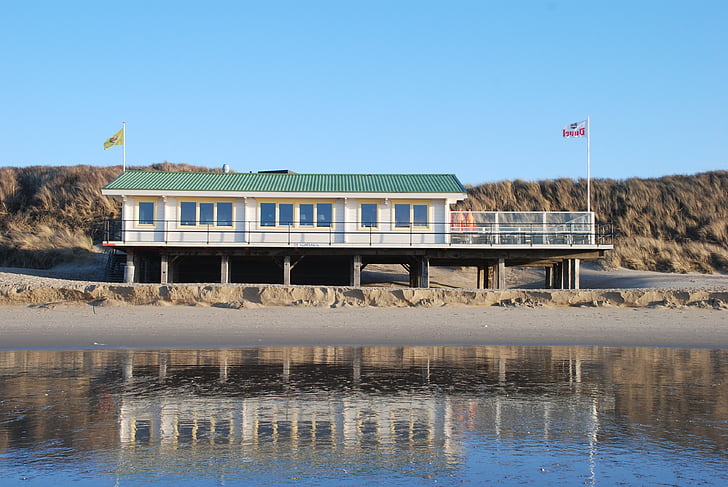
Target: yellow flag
<point x="116" y="139"/>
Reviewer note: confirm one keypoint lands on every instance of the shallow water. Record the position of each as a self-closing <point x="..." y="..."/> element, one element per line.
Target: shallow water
<point x="500" y="415"/>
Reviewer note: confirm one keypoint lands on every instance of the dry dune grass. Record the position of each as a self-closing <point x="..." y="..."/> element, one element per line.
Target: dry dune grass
<point x="53" y="214"/>
<point x="49" y="214"/>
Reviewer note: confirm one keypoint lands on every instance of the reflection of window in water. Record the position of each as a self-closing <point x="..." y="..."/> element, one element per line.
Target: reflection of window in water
<point x="143" y="431"/>
<point x="185" y="431"/>
<point x="222" y="432"/>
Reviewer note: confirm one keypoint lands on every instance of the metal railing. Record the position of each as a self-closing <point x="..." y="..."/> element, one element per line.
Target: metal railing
<point x="464" y="229"/>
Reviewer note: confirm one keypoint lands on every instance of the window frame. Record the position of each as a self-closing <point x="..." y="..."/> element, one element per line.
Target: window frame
<point x="213" y="222"/>
<point x="312" y="224"/>
<point x="217" y="214"/>
<point x="317" y="215"/>
<point x="396" y="216"/>
<point x="138" y="222"/>
<point x="287" y="220"/>
<point x="412" y="223"/>
<point x="377" y="219"/>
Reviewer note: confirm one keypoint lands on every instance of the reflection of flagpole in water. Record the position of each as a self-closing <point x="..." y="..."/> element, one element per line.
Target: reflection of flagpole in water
<point x="593" y="434"/>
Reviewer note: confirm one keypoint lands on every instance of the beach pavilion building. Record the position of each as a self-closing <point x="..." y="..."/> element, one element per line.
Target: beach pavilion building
<point x="286" y="228"/>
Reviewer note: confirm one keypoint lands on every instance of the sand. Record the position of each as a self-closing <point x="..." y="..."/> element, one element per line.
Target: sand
<point x="79" y="325"/>
<point x="85" y="326"/>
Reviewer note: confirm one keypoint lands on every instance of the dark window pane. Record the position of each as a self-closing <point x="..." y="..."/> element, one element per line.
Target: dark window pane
<point x="368" y="215"/>
<point x="401" y="215"/>
<point x="305" y="217"/>
<point x="225" y="214"/>
<point x="285" y="214"/>
<point x="146" y="213"/>
<point x="324" y="213"/>
<point x="420" y="215"/>
<point x="207" y="213"/>
<point x="188" y="213"/>
<point x="267" y="214"/>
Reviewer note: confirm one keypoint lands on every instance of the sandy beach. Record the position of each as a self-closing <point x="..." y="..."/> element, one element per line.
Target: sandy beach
<point x="99" y="324"/>
<point x="85" y="326"/>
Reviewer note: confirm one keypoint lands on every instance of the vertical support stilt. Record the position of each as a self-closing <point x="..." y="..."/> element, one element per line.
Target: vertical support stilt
<point x="489" y="277"/>
<point x="414" y="270"/>
<point x="129" y="269"/>
<point x="287" y="270"/>
<point x="424" y="272"/>
<point x="500" y="274"/>
<point x="558" y="273"/>
<point x="225" y="269"/>
<point x="575" y="270"/>
<point x="355" y="279"/>
<point x="568" y="273"/>
<point x="548" y="277"/>
<point x="164" y="268"/>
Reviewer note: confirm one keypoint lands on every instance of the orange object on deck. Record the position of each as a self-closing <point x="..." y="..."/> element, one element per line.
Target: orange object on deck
<point x="470" y="219"/>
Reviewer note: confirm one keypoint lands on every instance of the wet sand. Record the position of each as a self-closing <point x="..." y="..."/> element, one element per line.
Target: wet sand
<point x="85" y="326"/>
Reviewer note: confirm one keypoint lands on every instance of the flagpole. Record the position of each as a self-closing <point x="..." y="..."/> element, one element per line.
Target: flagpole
<point x="588" y="163"/>
<point x="123" y="133"/>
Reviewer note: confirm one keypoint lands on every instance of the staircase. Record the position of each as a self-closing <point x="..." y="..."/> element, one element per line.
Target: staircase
<point x="115" y="263"/>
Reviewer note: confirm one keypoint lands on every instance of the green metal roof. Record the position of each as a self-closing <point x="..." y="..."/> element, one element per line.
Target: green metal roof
<point x="286" y="182"/>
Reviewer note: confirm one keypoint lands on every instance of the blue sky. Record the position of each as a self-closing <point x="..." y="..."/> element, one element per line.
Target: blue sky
<point x="481" y="89"/>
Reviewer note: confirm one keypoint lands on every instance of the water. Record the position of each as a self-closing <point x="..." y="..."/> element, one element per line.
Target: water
<point x="491" y="415"/>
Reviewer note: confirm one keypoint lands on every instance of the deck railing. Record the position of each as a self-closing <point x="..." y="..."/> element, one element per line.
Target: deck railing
<point x="464" y="229"/>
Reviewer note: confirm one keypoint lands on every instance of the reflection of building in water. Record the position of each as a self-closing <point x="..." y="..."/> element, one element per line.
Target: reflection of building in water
<point x="407" y="400"/>
<point x="385" y="398"/>
<point x="310" y="420"/>
<point x="305" y="421"/>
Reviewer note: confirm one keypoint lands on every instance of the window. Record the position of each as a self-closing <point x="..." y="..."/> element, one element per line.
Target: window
<point x="188" y="213"/>
<point x="224" y="214"/>
<point x="207" y="213"/>
<point x="146" y="213"/>
<point x="369" y="215"/>
<point x="420" y="215"/>
<point x="192" y="213"/>
<point x="324" y="212"/>
<point x="267" y="214"/>
<point x="407" y="215"/>
<point x="402" y="215"/>
<point x="305" y="215"/>
<point x="285" y="214"/>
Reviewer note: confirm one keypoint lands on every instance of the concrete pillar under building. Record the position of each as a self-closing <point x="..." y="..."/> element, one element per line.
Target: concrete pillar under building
<point x="287" y="270"/>
<point x="575" y="266"/>
<point x="355" y="278"/>
<point x="419" y="272"/>
<point x="500" y="274"/>
<point x="548" y="277"/>
<point x="482" y="277"/>
<point x="129" y="269"/>
<point x="567" y="273"/>
<point x="424" y="272"/>
<point x="558" y="275"/>
<point x="164" y="268"/>
<point x="225" y="269"/>
<point x="412" y="271"/>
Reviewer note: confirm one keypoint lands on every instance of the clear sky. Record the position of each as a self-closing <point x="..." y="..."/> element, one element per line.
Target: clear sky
<point x="477" y="88"/>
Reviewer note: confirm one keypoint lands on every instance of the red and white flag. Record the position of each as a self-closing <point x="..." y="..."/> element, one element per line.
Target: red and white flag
<point x="576" y="129"/>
